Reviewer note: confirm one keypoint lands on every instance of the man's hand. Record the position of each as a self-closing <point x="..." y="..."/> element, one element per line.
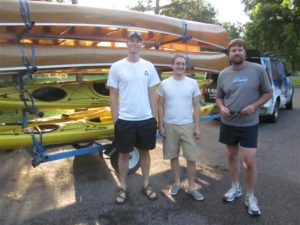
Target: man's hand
<point x="248" y="110"/>
<point x="224" y="111"/>
<point x="197" y="133"/>
<point x="162" y="132"/>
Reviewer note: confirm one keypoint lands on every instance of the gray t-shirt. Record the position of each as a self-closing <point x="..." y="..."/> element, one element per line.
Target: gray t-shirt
<point x="240" y="88"/>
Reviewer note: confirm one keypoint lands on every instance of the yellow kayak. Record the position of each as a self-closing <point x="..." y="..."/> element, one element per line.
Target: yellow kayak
<point x="65" y="131"/>
<point x="102" y="112"/>
<point x="66" y="95"/>
<point x="52" y="134"/>
<point x="204" y="83"/>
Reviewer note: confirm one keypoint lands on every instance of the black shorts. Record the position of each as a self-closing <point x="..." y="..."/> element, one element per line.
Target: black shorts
<point x="233" y="135"/>
<point x="141" y="134"/>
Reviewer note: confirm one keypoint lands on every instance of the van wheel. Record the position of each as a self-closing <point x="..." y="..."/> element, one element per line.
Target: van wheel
<point x="275" y="115"/>
<point x="289" y="105"/>
<point x="133" y="164"/>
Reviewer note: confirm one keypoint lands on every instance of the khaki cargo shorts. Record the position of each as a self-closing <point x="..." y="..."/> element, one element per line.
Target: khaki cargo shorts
<point x="180" y="136"/>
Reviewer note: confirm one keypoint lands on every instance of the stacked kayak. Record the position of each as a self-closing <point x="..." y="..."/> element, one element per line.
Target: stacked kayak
<point x="49" y="57"/>
<point x="53" y="134"/>
<point x="78" y="127"/>
<point x="66" y="95"/>
<point x="75" y="25"/>
<point x="103" y="113"/>
<point x="39" y="37"/>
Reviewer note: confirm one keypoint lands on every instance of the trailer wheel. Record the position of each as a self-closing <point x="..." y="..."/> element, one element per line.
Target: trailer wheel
<point x="82" y="145"/>
<point x="134" y="161"/>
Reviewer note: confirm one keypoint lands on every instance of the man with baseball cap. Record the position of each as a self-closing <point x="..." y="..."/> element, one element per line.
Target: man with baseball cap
<point x="132" y="82"/>
<point x="135" y="34"/>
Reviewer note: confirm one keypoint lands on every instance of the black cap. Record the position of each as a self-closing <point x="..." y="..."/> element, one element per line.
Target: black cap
<point x="136" y="34"/>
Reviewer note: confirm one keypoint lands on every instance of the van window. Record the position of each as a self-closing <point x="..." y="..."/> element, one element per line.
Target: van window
<point x="275" y="74"/>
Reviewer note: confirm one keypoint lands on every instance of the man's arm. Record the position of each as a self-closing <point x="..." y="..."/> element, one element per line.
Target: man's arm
<point x="259" y="102"/>
<point x="161" y="112"/>
<point x="153" y="100"/>
<point x="223" y="109"/>
<point x="196" y="106"/>
<point x="113" y="94"/>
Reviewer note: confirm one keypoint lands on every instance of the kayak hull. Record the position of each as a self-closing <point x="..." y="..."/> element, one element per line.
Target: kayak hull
<point x="49" y="57"/>
<point x="65" y="24"/>
<point x="65" y="132"/>
<point x="67" y="95"/>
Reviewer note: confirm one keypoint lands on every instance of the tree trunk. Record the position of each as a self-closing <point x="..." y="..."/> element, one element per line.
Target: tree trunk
<point x="157" y="8"/>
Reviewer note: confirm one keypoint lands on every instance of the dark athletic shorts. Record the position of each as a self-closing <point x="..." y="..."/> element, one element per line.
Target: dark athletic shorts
<point x="141" y="134"/>
<point x="245" y="136"/>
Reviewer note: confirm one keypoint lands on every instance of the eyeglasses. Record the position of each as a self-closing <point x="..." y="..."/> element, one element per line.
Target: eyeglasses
<point x="180" y="64"/>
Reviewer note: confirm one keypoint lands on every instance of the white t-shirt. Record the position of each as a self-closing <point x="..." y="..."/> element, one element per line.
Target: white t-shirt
<point x="132" y="81"/>
<point x="179" y="96"/>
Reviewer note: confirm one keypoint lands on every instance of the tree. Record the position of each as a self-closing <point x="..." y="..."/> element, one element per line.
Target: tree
<point x="274" y="27"/>
<point x="143" y="5"/>
<point x="195" y="10"/>
<point x="235" y="30"/>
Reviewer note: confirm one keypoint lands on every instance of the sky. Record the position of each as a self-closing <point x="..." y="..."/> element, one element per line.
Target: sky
<point x="227" y="10"/>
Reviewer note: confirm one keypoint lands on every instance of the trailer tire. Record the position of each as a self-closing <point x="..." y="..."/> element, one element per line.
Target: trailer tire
<point x="134" y="161"/>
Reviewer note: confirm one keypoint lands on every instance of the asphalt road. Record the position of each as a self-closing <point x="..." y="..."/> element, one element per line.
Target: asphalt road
<point x="81" y="190"/>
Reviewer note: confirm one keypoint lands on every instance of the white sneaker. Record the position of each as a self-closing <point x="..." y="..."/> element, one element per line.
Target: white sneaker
<point x="251" y="204"/>
<point x="196" y="195"/>
<point x="232" y="194"/>
<point x="174" y="190"/>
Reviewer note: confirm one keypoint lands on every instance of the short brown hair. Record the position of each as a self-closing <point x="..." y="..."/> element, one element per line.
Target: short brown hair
<point x="178" y="56"/>
<point x="237" y="42"/>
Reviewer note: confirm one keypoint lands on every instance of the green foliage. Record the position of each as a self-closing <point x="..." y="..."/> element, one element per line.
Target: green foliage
<point x="195" y="10"/>
<point x="143" y="5"/>
<point x="296" y="80"/>
<point x="235" y="30"/>
<point x="275" y="27"/>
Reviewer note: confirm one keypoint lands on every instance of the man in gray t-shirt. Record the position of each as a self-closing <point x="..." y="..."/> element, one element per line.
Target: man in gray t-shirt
<point x="241" y="89"/>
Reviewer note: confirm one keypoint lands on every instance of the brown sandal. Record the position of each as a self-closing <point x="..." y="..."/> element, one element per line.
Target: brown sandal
<point x="149" y="193"/>
<point x="121" y="196"/>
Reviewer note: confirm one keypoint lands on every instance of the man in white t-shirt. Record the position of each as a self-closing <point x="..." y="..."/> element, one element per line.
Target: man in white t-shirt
<point x="178" y="98"/>
<point x="132" y="82"/>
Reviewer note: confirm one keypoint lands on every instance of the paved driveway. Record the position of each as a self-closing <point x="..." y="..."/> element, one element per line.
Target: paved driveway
<point x="81" y="190"/>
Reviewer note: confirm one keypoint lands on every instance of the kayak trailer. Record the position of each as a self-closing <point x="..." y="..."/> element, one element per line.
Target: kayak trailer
<point x="38" y="151"/>
<point x="102" y="146"/>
